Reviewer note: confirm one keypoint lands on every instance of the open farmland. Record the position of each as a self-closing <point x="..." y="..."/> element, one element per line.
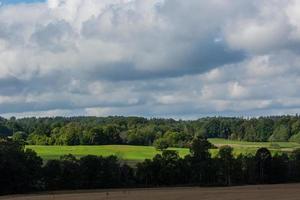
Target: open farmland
<point x="251" y="147"/>
<point x="265" y="192"/>
<point x="139" y="153"/>
<point x="124" y="152"/>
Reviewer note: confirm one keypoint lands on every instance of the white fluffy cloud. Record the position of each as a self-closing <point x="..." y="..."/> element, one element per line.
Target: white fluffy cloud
<point x="152" y="58"/>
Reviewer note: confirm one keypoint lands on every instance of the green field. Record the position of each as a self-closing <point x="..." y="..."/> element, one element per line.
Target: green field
<point x="124" y="152"/>
<point x="139" y="153"/>
<point x="283" y="146"/>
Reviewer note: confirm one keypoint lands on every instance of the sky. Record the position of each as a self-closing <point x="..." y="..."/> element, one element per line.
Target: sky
<point x="6" y="2"/>
<point x="151" y="58"/>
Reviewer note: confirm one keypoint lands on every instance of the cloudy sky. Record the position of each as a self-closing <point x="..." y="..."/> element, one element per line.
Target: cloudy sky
<point x="152" y="58"/>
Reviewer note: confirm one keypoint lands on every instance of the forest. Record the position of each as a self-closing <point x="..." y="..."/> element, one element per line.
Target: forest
<point x="22" y="171"/>
<point x="143" y="131"/>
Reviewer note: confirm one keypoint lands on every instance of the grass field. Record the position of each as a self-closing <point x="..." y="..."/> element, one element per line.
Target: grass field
<point x="124" y="152"/>
<point x="139" y="153"/>
<point x="251" y="147"/>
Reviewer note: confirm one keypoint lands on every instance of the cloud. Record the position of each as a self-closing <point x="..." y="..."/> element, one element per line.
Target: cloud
<point x="151" y="58"/>
<point x="273" y="27"/>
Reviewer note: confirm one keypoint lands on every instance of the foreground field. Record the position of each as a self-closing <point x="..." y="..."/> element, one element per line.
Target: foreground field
<point x="265" y="192"/>
<point x="138" y="153"/>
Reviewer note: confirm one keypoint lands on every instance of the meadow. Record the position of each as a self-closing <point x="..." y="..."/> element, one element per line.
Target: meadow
<point x="139" y="153"/>
<point x="124" y="152"/>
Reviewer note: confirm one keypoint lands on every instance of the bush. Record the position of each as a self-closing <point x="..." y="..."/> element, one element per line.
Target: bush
<point x="280" y="134"/>
<point x="295" y="138"/>
<point x="161" y="144"/>
<point x="19" y="137"/>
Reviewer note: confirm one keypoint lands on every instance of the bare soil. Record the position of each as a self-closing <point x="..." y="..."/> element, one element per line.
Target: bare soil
<point x="263" y="192"/>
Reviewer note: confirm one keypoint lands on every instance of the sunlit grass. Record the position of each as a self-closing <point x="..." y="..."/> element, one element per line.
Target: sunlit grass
<point x="139" y="153"/>
<point x="125" y="152"/>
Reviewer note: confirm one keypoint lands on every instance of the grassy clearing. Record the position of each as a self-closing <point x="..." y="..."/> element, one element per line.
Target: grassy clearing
<point x="139" y="153"/>
<point x="218" y="141"/>
<point x="124" y="152"/>
<point x="251" y="147"/>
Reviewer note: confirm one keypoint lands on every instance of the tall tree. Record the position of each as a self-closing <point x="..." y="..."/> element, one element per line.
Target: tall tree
<point x="226" y="161"/>
<point x="263" y="159"/>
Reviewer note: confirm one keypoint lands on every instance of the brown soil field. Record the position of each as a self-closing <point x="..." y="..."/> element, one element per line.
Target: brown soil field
<point x="263" y="192"/>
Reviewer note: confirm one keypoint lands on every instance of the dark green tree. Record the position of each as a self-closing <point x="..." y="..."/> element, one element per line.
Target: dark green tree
<point x="161" y="144"/>
<point x="20" y="169"/>
<point x="263" y="160"/>
<point x="226" y="161"/>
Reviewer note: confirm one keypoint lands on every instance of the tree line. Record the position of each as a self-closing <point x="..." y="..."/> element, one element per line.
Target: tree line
<point x="142" y="131"/>
<point x="23" y="171"/>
